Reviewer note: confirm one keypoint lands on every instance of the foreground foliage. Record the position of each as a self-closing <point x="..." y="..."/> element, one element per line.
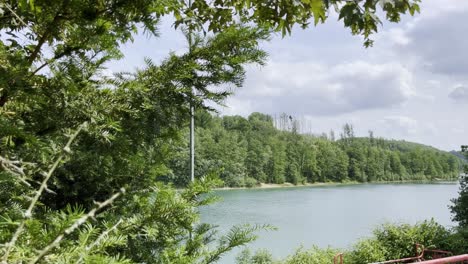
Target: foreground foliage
<point x="157" y="224"/>
<point x="460" y="204"/>
<point x="65" y="203"/>
<point x="389" y="241"/>
<point x="459" y="208"/>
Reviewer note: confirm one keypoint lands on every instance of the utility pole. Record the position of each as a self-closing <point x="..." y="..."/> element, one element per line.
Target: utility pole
<point x="192" y="141"/>
<point x="192" y="121"/>
<point x="192" y="115"/>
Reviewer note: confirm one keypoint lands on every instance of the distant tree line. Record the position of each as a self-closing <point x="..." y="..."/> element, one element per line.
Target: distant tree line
<point x="263" y="149"/>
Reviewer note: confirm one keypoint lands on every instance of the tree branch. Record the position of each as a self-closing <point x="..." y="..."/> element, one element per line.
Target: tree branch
<point x="28" y="213"/>
<point x="17" y="16"/>
<point x="46" y="34"/>
<point x="99" y="239"/>
<point x="75" y="225"/>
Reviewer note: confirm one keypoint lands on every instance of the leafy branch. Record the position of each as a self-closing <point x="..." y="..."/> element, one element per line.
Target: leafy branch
<point x="236" y="237"/>
<point x="14" y="165"/>
<point x="75" y="225"/>
<point x="101" y="238"/>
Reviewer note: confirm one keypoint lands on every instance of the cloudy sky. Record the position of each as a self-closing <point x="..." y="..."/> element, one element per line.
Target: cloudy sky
<point x="412" y="85"/>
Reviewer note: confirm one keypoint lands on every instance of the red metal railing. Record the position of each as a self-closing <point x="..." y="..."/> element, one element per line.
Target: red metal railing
<point x="338" y="257"/>
<point x="437" y="257"/>
<point x="436" y="254"/>
<point x="453" y="259"/>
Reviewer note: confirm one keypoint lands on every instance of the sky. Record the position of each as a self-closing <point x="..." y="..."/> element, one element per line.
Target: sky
<point x="412" y="85"/>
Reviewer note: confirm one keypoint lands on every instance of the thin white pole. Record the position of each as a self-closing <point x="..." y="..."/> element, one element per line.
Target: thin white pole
<point x="192" y="117"/>
<point x="192" y="122"/>
<point x="192" y="142"/>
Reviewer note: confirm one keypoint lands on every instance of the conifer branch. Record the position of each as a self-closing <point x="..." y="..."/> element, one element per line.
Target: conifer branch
<point x="15" y="168"/>
<point x="98" y="240"/>
<point x="17" y="16"/>
<point x="43" y="186"/>
<point x="75" y="225"/>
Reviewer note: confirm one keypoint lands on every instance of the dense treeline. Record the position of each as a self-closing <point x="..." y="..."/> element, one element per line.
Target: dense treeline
<point x="247" y="151"/>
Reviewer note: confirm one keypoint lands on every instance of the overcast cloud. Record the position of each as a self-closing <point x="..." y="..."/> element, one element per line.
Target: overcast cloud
<point x="460" y="94"/>
<point x="412" y="85"/>
<point x="308" y="88"/>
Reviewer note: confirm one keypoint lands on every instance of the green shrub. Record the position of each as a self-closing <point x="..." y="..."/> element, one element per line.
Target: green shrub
<point x="395" y="241"/>
<point x="388" y="241"/>
<point x="314" y="255"/>
<point x="366" y="251"/>
<point x="261" y="256"/>
<point x="250" y="182"/>
<point x="399" y="240"/>
<point x="457" y="241"/>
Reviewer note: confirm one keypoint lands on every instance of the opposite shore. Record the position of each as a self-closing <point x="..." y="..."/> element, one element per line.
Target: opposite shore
<point x="318" y="184"/>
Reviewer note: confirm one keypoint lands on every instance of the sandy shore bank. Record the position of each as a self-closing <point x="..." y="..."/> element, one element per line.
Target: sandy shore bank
<point x="287" y="185"/>
<point x="290" y="185"/>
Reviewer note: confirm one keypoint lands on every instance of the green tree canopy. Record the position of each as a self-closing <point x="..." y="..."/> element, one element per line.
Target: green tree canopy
<point x="459" y="207"/>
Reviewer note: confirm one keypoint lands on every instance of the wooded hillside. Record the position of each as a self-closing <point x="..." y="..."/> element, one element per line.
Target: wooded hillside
<point x="247" y="151"/>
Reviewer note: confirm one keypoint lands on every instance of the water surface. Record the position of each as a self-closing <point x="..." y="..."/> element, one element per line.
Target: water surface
<point x="328" y="215"/>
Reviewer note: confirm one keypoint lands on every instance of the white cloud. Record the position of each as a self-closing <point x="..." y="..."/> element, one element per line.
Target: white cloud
<point x="396" y="36"/>
<point x="403" y="125"/>
<point x="434" y="8"/>
<point x="460" y="94"/>
<point x="438" y="41"/>
<point x="401" y="88"/>
<point x="307" y="88"/>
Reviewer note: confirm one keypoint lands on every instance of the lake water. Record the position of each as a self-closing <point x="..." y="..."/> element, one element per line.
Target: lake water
<point x="328" y="215"/>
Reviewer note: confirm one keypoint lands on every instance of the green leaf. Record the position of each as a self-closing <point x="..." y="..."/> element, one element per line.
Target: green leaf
<point x="31" y="4"/>
<point x="318" y="9"/>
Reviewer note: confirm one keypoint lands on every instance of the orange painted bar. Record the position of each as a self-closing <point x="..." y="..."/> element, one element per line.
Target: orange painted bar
<point x="454" y="259"/>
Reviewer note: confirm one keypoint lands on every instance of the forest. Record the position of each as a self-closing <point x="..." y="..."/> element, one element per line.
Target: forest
<point x="262" y="149"/>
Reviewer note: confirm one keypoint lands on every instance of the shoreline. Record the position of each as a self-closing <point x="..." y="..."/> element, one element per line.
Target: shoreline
<point x="319" y="184"/>
<point x="285" y="185"/>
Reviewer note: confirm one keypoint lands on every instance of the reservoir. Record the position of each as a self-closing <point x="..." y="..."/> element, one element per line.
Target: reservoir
<point x="332" y="215"/>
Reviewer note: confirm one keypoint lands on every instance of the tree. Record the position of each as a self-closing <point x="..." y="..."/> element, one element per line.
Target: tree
<point x="332" y="162"/>
<point x="52" y="83"/>
<point x="360" y="16"/>
<point x="332" y="135"/>
<point x="396" y="167"/>
<point x="459" y="207"/>
<point x="371" y="137"/>
<point x="310" y="167"/>
<point x="347" y="135"/>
